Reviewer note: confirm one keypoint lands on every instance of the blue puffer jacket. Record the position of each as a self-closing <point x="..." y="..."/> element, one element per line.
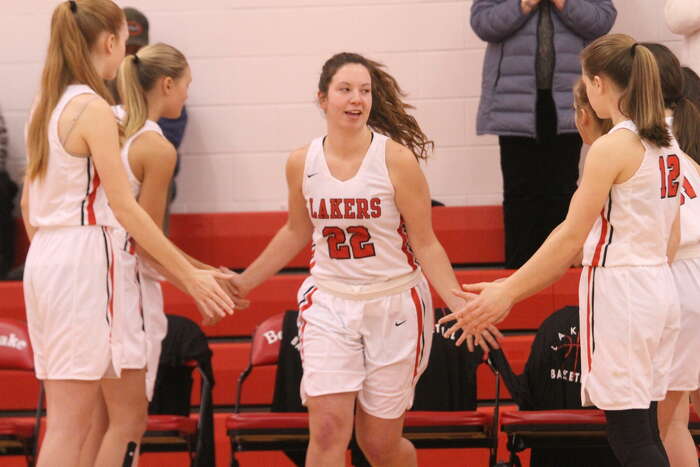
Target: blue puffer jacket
<point x="509" y="88"/>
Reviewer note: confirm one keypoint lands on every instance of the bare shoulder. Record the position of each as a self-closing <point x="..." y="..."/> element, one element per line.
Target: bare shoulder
<point x="620" y="139"/>
<point x="154" y="146"/>
<point x="95" y="107"/>
<point x="297" y="158"/>
<point x="401" y="162"/>
<point x="399" y="156"/>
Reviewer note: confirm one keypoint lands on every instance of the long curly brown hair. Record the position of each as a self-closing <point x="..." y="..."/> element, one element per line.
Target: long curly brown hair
<point x="389" y="114"/>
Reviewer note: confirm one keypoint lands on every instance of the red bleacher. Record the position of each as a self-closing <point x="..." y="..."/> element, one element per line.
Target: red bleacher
<point x="470" y="235"/>
<point x="474" y="235"/>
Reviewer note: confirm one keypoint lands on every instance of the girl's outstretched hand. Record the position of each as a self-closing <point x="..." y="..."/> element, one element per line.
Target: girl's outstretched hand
<point x="234" y="289"/>
<point x="488" y="303"/>
<point x="212" y="301"/>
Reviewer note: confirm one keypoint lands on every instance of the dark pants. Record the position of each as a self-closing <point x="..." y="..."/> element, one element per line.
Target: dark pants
<point x="539" y="178"/>
<point x="634" y="437"/>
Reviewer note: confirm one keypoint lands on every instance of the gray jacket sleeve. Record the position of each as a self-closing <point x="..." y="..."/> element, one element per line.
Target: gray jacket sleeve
<point x="496" y="20"/>
<point x="589" y="19"/>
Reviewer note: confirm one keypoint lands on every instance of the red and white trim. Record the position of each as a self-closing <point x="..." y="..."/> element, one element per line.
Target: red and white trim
<point x="109" y="254"/>
<point x="420" y="337"/>
<point x="590" y="319"/>
<point x="87" y="206"/>
<point x="306" y="301"/>
<point x="406" y="247"/>
<point x="606" y="233"/>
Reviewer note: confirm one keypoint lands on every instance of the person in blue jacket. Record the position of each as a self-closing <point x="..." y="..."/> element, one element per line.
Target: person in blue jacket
<point x="530" y="67"/>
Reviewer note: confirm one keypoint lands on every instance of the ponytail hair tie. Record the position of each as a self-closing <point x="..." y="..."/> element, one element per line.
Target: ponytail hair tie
<point x="633" y="48"/>
<point x="73" y="6"/>
<point x="136" y="59"/>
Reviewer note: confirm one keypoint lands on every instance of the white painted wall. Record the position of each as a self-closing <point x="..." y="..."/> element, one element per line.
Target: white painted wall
<point x="256" y="64"/>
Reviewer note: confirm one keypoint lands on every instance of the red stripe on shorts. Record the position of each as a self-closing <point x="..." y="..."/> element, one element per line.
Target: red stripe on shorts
<point x="419" y="320"/>
<point x="309" y="301"/>
<point x="111" y="279"/>
<point x="588" y="318"/>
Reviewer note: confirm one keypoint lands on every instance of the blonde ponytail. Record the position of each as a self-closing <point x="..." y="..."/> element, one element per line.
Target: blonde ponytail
<point x="73" y="33"/>
<point x="132" y="96"/>
<point x="139" y="73"/>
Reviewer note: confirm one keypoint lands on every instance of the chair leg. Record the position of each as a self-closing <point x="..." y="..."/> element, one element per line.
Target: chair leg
<point x="28" y="448"/>
<point x="515" y="445"/>
<point x="190" y="450"/>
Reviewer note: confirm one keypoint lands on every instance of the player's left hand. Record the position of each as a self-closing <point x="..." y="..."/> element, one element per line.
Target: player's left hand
<point x="233" y="290"/>
<point x="490" y="307"/>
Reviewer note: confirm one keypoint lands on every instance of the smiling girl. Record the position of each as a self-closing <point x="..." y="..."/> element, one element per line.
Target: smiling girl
<point x="365" y="314"/>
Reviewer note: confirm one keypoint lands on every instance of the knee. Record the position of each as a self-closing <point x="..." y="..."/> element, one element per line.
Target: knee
<point x="68" y="431"/>
<point x="330" y="431"/>
<point x="130" y="426"/>
<point x="377" y="448"/>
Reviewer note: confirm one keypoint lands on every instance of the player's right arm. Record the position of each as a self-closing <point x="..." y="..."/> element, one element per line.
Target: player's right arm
<point x="290" y="239"/>
<point x="102" y="138"/>
<point x="601" y="171"/>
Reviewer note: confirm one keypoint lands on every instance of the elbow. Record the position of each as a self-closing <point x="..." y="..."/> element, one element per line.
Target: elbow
<point x="684" y="26"/>
<point x="682" y="21"/>
<point x="569" y="241"/>
<point x="483" y="33"/>
<point x="487" y="35"/>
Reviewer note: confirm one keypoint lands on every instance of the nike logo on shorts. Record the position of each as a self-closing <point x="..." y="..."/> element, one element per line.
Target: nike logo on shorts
<point x="311" y="175"/>
<point x="399" y="323"/>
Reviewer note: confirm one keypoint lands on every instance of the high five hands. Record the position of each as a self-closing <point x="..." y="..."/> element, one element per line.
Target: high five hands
<point x="226" y="279"/>
<point x="487" y="304"/>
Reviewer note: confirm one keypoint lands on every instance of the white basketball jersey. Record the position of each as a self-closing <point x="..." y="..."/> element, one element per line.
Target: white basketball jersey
<point x="690" y="212"/>
<point x="134" y="182"/>
<point x="70" y="193"/>
<point x="635" y="224"/>
<point x="359" y="236"/>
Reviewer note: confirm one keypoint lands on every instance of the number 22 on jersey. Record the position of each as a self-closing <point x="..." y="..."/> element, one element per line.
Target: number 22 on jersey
<point x="359" y="244"/>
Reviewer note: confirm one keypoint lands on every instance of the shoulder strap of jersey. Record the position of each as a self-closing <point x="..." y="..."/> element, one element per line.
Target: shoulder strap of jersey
<point x="626" y="125"/>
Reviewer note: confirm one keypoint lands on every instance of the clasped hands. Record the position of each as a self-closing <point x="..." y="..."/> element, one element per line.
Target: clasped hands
<point x="485" y="304"/>
<point x="528" y="5"/>
<point x="230" y="282"/>
<point x="482" y="306"/>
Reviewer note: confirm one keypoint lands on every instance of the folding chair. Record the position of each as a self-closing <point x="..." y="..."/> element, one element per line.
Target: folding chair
<point x="18" y="435"/>
<point x="289" y="431"/>
<point x="265" y="431"/>
<point x="181" y="432"/>
<point x="553" y="428"/>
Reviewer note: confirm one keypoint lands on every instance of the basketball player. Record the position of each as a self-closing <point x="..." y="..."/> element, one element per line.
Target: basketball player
<point x="75" y="195"/>
<point x="625" y="216"/>
<point x="684" y="118"/>
<point x="366" y="312"/>
<point x="589" y="125"/>
<point x="154" y="83"/>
